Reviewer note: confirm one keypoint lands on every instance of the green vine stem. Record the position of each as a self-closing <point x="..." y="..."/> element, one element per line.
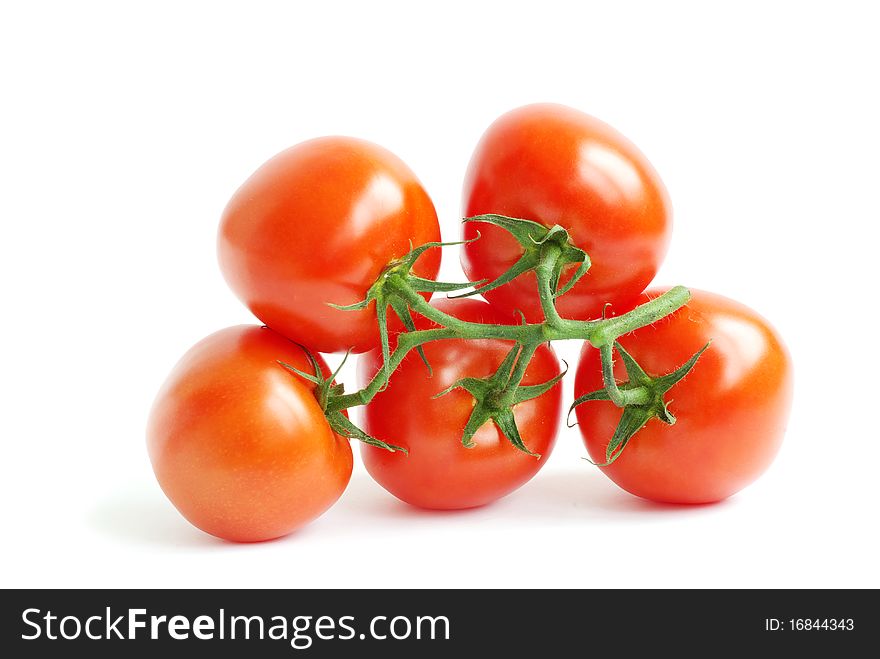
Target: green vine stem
<point x="548" y="252"/>
<point x="598" y="332"/>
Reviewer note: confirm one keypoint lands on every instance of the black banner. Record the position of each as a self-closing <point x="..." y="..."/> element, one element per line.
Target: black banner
<point x="428" y="623"/>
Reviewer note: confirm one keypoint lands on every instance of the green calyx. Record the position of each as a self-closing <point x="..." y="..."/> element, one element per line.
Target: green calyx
<point x="325" y="391"/>
<point x="496" y="396"/>
<point x="550" y="254"/>
<point x="641" y="396"/>
<point x="549" y="249"/>
<point x="389" y="290"/>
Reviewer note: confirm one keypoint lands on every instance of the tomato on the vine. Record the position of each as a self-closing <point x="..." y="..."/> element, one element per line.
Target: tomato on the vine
<point x="239" y="444"/>
<point x="555" y="165"/>
<point x="439" y="472"/>
<point x="315" y="225"/>
<point x="731" y="409"/>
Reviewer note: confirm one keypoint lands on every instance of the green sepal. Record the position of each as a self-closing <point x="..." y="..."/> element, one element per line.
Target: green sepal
<point x="473" y="386"/>
<point x="631" y="421"/>
<point x="532" y="236"/>
<point x="570" y="255"/>
<point x="385" y="293"/>
<point x="325" y="390"/>
<point x="479" y="389"/>
<point x="635" y="374"/>
<point x="421" y="285"/>
<point x="475" y="421"/>
<point x="666" y="382"/>
<point x="324" y="387"/>
<point x="507" y="425"/>
<point x="382" y="320"/>
<point x="357" y="306"/>
<point x="338" y="368"/>
<point x="410" y="258"/>
<point x="430" y="286"/>
<point x="402" y="310"/>
<point x="527" y="392"/>
<point x="505" y="369"/>
<point x="293" y="369"/>
<point x="599" y="394"/>
<point x="342" y="425"/>
<point x="494" y="400"/>
<point x="636" y="416"/>
<point x="527" y="262"/>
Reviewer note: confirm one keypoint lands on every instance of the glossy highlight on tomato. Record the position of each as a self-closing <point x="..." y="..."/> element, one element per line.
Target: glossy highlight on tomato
<point x="316" y="224"/>
<point x="439" y="472"/>
<point x="731" y="409"/>
<point x="556" y="165"/>
<point x="239" y="444"/>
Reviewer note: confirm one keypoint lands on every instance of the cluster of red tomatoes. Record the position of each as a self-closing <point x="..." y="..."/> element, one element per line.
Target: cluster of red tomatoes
<point x="242" y="447"/>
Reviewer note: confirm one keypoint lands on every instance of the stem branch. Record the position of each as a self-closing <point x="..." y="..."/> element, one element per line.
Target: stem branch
<point x="600" y="333"/>
<point x="609" y="330"/>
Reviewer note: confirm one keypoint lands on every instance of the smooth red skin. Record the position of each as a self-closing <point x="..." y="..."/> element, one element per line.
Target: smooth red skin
<point x="731" y="409"/>
<point x="316" y="224"/>
<point x="556" y="165"/>
<point x="439" y="472"/>
<point x="240" y="445"/>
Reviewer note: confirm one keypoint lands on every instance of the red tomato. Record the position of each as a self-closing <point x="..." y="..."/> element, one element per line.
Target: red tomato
<point x="731" y="409"/>
<point x="555" y="165"/>
<point x="439" y="472"/>
<point x="316" y="224"/>
<point x="239" y="444"/>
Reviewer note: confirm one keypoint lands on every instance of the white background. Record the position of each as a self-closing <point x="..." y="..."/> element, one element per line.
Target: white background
<point x="126" y="128"/>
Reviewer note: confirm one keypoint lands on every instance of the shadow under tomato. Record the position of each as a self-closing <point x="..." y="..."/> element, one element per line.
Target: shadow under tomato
<point x="138" y="517"/>
<point x="143" y="517"/>
<point x="365" y="497"/>
<point x="553" y="495"/>
<point x="574" y="492"/>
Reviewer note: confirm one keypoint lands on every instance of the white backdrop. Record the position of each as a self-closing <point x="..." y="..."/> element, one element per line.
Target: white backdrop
<point x="126" y="127"/>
